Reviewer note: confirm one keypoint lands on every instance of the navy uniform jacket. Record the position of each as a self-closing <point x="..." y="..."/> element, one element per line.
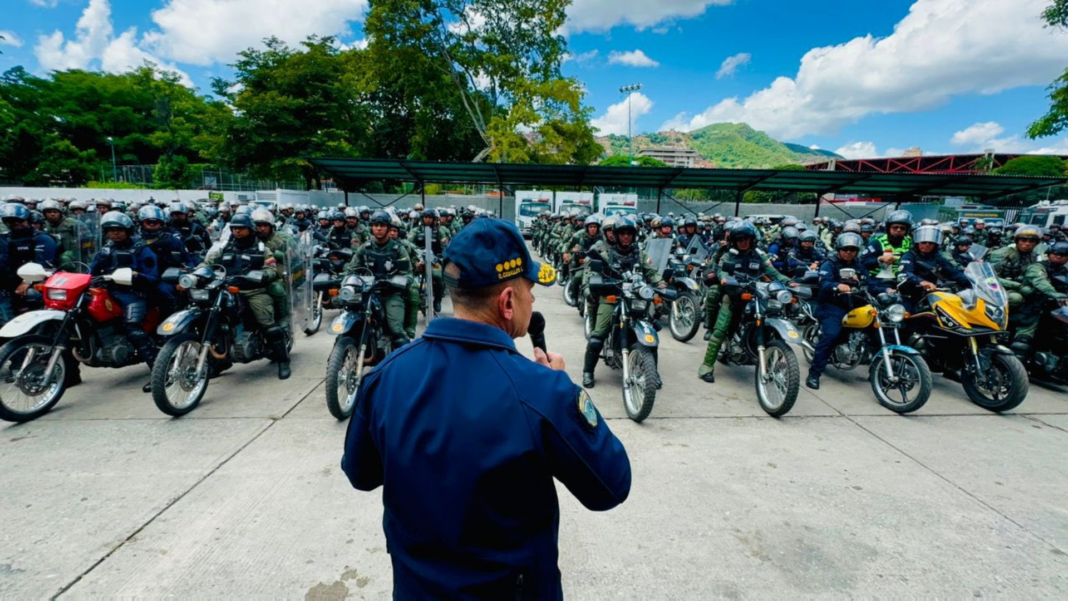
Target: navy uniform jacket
<point x="466" y="436"/>
<point x="932" y="268"/>
<point x="830" y="277"/>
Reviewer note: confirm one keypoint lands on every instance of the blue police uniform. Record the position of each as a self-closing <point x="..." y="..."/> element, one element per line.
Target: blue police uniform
<point x="832" y="308"/>
<point x="466" y="435"/>
<point x="933" y="268"/>
<point x="16" y="250"/>
<point x="134" y="254"/>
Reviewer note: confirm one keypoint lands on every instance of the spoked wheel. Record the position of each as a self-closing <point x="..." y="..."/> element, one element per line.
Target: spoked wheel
<point x="811" y="334"/>
<point x="317" y="316"/>
<point x="685" y="318"/>
<point x="1002" y="387"/>
<point x="639" y="397"/>
<point x="24" y="393"/>
<point x="344" y="371"/>
<point x="588" y="321"/>
<point x="569" y="294"/>
<point x="777" y="392"/>
<point x="908" y="390"/>
<point x="176" y="388"/>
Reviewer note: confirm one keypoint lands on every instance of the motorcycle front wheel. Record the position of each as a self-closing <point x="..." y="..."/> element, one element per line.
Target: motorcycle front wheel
<point x="1002" y="388"/>
<point x="569" y="294"/>
<point x="912" y="388"/>
<point x="317" y="316"/>
<point x="344" y="371"/>
<point x="777" y="393"/>
<point x="685" y="317"/>
<point x="24" y="395"/>
<point x="176" y="389"/>
<point x="639" y="397"/>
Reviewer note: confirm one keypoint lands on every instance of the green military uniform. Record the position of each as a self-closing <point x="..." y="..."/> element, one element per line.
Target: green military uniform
<point x="278" y="243"/>
<point x="439" y="239"/>
<point x="72" y="239"/>
<point x="385" y="260"/>
<point x="1010" y="266"/>
<point x="714" y="295"/>
<point x="619" y="261"/>
<point x="259" y="300"/>
<point x="726" y="317"/>
<point x="414" y="299"/>
<point x="1039" y="276"/>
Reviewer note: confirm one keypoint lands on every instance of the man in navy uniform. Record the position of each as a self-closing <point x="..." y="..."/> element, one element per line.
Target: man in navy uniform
<point x="467" y="452"/>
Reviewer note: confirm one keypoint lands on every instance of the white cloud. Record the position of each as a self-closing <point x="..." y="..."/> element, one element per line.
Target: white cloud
<point x="895" y="152"/>
<point x="614" y="121"/>
<point x="634" y="58"/>
<point x="859" y="150"/>
<point x="732" y="63"/>
<point x="94" y="45"/>
<point x="814" y="147"/>
<point x="602" y="15"/>
<point x="977" y="134"/>
<point x="356" y="45"/>
<point x="10" y="39"/>
<point x="941" y="49"/>
<point x="202" y="32"/>
<point x="45" y="3"/>
<point x="582" y="58"/>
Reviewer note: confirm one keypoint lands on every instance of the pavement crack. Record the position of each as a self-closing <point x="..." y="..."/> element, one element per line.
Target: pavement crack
<point x="210" y="473"/>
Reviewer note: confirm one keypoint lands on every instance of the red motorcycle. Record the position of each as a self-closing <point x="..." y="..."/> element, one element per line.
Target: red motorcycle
<point x="80" y="322"/>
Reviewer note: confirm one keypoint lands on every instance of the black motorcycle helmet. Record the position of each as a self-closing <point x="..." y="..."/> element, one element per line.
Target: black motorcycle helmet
<point x="624" y="225"/>
<point x="790" y="233"/>
<point x="1058" y="248"/>
<point x="849" y="240"/>
<point x="742" y="230"/>
<point x="900" y="218"/>
<point x="380" y="217"/>
<point x="242" y="220"/>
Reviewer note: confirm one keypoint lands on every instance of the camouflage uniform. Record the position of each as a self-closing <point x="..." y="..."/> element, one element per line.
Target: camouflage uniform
<point x="1010" y="264"/>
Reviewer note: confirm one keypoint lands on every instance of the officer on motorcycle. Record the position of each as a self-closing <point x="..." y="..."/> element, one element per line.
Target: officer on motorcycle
<point x="1043" y="275"/>
<point x="961" y="247"/>
<point x="623" y="256"/>
<point x="924" y="266"/>
<point x="66" y="231"/>
<point x="438" y="241"/>
<point x="806" y="255"/>
<point x="1009" y="264"/>
<point x="581" y="242"/>
<point x="169" y="251"/>
<point x="385" y="257"/>
<point x="340" y="236"/>
<point x="20" y="245"/>
<point x="888" y="248"/>
<point x="194" y="235"/>
<point x="244" y="253"/>
<point x="835" y="301"/>
<point x="123" y="249"/>
<point x="277" y="243"/>
<point x="780" y="249"/>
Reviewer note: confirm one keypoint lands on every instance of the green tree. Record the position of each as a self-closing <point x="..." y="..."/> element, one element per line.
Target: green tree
<point x="620" y="160"/>
<point x="1056" y="118"/>
<point x="1035" y="166"/>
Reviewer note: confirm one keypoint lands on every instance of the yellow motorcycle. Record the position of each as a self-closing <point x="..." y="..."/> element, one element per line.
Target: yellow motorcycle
<point x="898" y="374"/>
<point x="958" y="333"/>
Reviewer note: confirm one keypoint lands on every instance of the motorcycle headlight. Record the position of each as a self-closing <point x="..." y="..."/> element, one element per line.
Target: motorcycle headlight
<point x="187" y="281"/>
<point x="996" y="314"/>
<point x="639" y="305"/>
<point x="784" y="297"/>
<point x="348" y="294"/>
<point x="199" y="294"/>
<point x="646" y="292"/>
<point x="895" y="313"/>
<point x="56" y="294"/>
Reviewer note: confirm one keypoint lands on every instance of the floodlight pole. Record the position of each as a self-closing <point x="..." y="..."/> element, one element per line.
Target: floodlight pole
<point x="628" y="90"/>
<point x="114" y="169"/>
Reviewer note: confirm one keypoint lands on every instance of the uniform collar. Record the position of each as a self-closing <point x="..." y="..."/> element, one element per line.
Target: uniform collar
<point x="462" y="330"/>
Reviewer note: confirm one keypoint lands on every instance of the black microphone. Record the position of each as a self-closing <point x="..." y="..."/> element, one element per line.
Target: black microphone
<point x="536" y="330"/>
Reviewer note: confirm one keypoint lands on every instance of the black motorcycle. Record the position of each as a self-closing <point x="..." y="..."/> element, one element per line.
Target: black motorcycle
<point x="215" y="331"/>
<point x="766" y="338"/>
<point x="1049" y="361"/>
<point x="328" y="265"/>
<point x="686" y="312"/>
<point x="632" y="342"/>
<point x="363" y="337"/>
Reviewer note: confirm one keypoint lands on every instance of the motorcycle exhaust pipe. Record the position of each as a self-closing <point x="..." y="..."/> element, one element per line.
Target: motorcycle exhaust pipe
<point x="216" y="354"/>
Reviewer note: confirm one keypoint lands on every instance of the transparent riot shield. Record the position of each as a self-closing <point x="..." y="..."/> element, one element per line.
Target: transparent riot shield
<point x="88" y="242"/>
<point x="299" y="277"/>
<point x="700" y="253"/>
<point x="428" y="271"/>
<point x="658" y="251"/>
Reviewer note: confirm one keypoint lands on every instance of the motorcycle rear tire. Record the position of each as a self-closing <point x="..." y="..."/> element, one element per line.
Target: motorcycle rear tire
<point x="569" y="295"/>
<point x="317" y="316"/>
<point x="1018" y="385"/>
<point x="680" y="330"/>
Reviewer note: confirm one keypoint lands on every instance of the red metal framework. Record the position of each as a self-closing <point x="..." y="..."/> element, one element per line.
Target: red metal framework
<point x="963" y="164"/>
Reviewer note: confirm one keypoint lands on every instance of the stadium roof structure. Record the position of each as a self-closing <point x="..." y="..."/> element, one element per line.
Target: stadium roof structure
<point x="969" y="164"/>
<point x="352" y="175"/>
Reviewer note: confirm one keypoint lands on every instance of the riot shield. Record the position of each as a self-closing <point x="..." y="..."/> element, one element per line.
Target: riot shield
<point x="88" y="241"/>
<point x="700" y="253"/>
<point x="658" y="251"/>
<point x="299" y="277"/>
<point x="428" y="271"/>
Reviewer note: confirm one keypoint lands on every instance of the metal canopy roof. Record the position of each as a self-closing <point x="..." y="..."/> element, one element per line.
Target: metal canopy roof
<point x="353" y="174"/>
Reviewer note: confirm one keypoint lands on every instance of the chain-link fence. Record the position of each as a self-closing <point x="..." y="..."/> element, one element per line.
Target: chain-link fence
<point x="222" y="180"/>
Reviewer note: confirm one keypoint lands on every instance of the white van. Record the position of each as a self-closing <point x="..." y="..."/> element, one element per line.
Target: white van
<point x="528" y="205"/>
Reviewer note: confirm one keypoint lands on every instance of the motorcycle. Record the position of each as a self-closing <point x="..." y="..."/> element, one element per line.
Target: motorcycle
<point x="960" y="332"/>
<point x="362" y="337"/>
<point x="1050" y="357"/>
<point x="329" y="263"/>
<point x="212" y="333"/>
<point x="687" y="310"/>
<point x="632" y="341"/>
<point x="893" y="367"/>
<point x="765" y="337"/>
<point x="79" y="316"/>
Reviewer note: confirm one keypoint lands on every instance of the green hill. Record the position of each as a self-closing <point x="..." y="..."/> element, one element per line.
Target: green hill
<point x="726" y="145"/>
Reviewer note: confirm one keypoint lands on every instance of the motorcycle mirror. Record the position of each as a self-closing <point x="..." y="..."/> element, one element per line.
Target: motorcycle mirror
<point x="32" y="273"/>
<point x="122" y="276"/>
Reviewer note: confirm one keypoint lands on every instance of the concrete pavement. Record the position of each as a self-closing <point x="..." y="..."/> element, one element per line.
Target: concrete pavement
<point x="107" y="497"/>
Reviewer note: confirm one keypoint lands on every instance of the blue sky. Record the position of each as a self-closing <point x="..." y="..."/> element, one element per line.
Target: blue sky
<point x="866" y="78"/>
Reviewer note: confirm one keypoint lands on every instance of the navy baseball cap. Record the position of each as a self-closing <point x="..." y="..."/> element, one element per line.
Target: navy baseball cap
<point x="490" y="251"/>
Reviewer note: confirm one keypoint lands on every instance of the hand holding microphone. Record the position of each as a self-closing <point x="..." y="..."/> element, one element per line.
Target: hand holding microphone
<point x="542" y="356"/>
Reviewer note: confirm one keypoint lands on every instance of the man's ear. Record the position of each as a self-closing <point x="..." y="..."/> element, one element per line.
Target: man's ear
<point x="506" y="302"/>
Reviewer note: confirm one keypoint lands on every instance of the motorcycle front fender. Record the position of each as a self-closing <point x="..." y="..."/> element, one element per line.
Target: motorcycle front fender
<point x="645" y="334"/>
<point x="992" y="349"/>
<point x="896" y="348"/>
<point x="787" y="331"/>
<point x="344" y="323"/>
<point x="28" y="322"/>
<point x="686" y="284"/>
<point x="179" y="322"/>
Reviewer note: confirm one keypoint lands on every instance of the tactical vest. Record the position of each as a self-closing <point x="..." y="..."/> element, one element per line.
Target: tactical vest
<point x="381" y="260"/>
<point x="899" y="251"/>
<point x="21" y="251"/>
<point x="1014" y="264"/>
<point x="749" y="263"/>
<point x="435" y="240"/>
<point x="240" y="261"/>
<point x="119" y="257"/>
<point x="624" y="262"/>
<point x="1058" y="276"/>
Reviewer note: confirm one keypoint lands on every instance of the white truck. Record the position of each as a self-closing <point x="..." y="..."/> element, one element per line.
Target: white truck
<point x="528" y="205"/>
<point x="572" y="201"/>
<point x="618" y="204"/>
